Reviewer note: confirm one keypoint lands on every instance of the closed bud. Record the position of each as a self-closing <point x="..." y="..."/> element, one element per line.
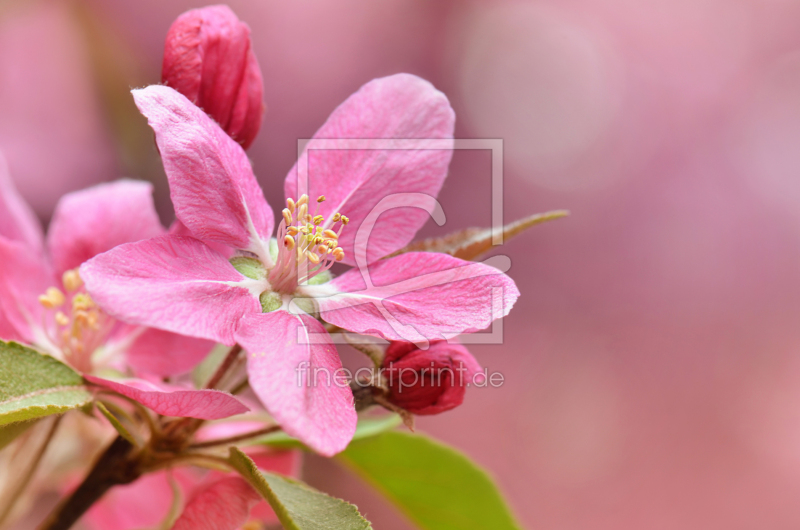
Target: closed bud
<point x="208" y="58"/>
<point x="428" y="381"/>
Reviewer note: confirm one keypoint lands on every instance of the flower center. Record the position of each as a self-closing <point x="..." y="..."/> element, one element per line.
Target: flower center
<point x="80" y="326"/>
<point x="305" y="248"/>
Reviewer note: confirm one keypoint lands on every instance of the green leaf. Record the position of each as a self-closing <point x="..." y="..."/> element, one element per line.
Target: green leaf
<point x="9" y="433"/>
<point x="436" y="486"/>
<point x="298" y="506"/>
<point x="472" y="243"/>
<point x="33" y="385"/>
<point x="366" y="427"/>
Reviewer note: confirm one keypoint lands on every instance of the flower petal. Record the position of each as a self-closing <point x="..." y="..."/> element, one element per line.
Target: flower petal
<point x="172" y="283"/>
<point x="296" y="372"/>
<point x="160" y="352"/>
<point x="24" y="275"/>
<point x="177" y="228"/>
<point x="223" y="505"/>
<point x="175" y="401"/>
<point x="212" y="185"/>
<point x="417" y="296"/>
<point x="355" y="179"/>
<point x="17" y="220"/>
<point x="97" y="219"/>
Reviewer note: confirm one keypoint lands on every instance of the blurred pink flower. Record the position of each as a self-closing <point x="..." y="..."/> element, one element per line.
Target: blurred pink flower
<point x="68" y="324"/>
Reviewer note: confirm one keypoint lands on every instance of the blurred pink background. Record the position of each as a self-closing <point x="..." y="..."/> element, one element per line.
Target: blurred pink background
<point x="652" y="367"/>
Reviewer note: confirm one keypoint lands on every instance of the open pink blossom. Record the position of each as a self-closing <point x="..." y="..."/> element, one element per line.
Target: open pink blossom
<point x="43" y="302"/>
<point x="273" y="296"/>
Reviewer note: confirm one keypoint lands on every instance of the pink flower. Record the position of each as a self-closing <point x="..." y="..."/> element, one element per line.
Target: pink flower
<point x="208" y="59"/>
<point x="273" y="295"/>
<point x="428" y="381"/>
<point x="44" y="303"/>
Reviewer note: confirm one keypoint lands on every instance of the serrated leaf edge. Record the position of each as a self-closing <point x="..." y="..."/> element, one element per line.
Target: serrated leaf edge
<point x="255" y="477"/>
<point x="44" y="392"/>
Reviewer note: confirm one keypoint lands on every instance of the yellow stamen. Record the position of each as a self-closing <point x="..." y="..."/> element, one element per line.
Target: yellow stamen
<point x="61" y="319"/>
<point x="72" y="280"/>
<point x="82" y="301"/>
<point x="311" y="239"/>
<point x="81" y="316"/>
<point x="52" y="298"/>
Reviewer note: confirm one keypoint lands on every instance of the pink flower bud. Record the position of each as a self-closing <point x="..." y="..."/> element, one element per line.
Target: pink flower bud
<point x="208" y="59"/>
<point x="428" y="381"/>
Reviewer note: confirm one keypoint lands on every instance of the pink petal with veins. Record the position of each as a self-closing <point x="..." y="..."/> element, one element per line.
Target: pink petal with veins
<point x="175" y="401"/>
<point x="172" y="283"/>
<point x="354" y="181"/>
<point x="177" y="228"/>
<point x="212" y="185"/>
<point x="418" y="296"/>
<point x="295" y="371"/>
